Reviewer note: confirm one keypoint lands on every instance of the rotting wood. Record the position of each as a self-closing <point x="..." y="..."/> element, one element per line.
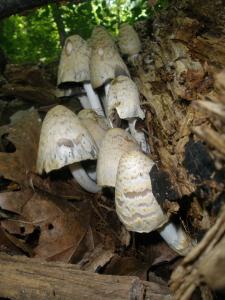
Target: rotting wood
<point x="28" y="278"/>
<point x="180" y="58"/>
<point x="204" y="264"/>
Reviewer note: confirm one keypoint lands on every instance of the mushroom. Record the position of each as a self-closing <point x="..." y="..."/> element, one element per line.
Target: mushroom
<point x="97" y="126"/>
<point x="116" y="142"/>
<point x="104" y="61"/>
<point x="74" y="67"/>
<point x="123" y="97"/>
<point x="101" y="37"/>
<point x="137" y="207"/>
<point x="128" y="41"/>
<point x="65" y="141"/>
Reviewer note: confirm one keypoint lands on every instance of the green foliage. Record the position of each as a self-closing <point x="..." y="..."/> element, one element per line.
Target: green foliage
<point x="36" y="36"/>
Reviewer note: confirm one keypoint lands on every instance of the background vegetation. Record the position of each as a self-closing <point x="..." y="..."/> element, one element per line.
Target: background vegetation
<point x="41" y="35"/>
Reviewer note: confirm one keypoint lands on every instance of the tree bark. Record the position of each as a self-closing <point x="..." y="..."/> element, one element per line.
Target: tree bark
<point x="183" y="49"/>
<point x="13" y="7"/>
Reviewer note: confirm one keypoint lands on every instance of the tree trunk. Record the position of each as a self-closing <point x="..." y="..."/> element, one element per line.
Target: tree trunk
<point x="60" y="25"/>
<point x="4" y="60"/>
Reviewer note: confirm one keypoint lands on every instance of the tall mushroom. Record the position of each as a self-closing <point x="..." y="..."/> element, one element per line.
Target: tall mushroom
<point x="123" y="97"/>
<point x="65" y="141"/>
<point x="137" y="207"/>
<point x="74" y="67"/>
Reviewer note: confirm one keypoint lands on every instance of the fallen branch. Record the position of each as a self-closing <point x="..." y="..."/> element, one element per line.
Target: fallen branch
<point x="29" y="278"/>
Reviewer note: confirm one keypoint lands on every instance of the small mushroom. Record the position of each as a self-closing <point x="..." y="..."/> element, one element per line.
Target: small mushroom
<point x="116" y="142"/>
<point x="65" y="141"/>
<point x="123" y="97"/>
<point x="74" y="67"/>
<point x="129" y="41"/>
<point x="137" y="207"/>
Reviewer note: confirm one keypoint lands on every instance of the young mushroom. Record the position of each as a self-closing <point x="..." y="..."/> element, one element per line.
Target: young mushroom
<point x="137" y="207"/>
<point x="101" y="37"/>
<point x="129" y="42"/>
<point x="116" y="142"/>
<point x="74" y="67"/>
<point x="64" y="140"/>
<point x="97" y="126"/>
<point x="123" y="97"/>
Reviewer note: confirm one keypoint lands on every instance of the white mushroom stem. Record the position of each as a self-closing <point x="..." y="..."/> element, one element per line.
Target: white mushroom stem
<point x="83" y="179"/>
<point x="84" y="101"/>
<point x="91" y="172"/>
<point x="106" y="87"/>
<point x="104" y="101"/>
<point x="176" y="238"/>
<point x="93" y="98"/>
<point x="138" y="135"/>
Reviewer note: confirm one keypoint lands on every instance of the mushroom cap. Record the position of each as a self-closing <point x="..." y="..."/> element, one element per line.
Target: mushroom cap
<point x="116" y="142"/>
<point x="103" y="62"/>
<point x="128" y="40"/>
<point x="101" y="37"/>
<point x="124" y="97"/>
<point x="136" y="205"/>
<point x="63" y="141"/>
<point x="97" y="125"/>
<point x="74" y="61"/>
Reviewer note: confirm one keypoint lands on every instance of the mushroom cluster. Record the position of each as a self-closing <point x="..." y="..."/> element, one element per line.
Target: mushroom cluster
<point x="97" y="64"/>
<point x="122" y="163"/>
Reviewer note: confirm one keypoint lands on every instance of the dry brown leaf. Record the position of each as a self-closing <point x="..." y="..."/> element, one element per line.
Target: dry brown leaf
<point x="67" y="188"/>
<point x="11" y="245"/>
<point x="23" y="133"/>
<point x="63" y="233"/>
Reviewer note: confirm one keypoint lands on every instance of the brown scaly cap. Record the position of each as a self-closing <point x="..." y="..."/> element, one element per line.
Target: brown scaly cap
<point x="136" y="205"/>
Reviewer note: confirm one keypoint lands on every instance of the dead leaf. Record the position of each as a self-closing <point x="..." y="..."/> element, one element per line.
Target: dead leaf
<point x="63" y="233"/>
<point x="11" y="245"/>
<point x="24" y="134"/>
<point x="62" y="185"/>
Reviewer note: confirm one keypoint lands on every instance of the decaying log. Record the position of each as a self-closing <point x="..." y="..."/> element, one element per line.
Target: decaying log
<point x="31" y="94"/>
<point x="205" y="264"/>
<point x="28" y="278"/>
<point x="29" y="83"/>
<point x="181" y="56"/>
